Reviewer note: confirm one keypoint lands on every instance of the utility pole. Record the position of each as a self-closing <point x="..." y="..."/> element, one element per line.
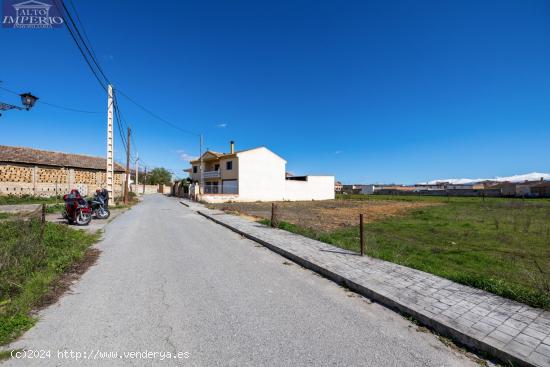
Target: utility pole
<point x="109" y="177"/>
<point x="137" y="174"/>
<point x="144" y="180"/>
<point x="201" y="185"/>
<point x="126" y="184"/>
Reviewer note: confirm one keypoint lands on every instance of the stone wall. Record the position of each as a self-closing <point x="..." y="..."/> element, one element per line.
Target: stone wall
<point x="21" y="179"/>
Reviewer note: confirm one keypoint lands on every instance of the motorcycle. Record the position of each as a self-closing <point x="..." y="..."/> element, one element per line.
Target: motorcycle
<point x="77" y="209"/>
<point x="99" y="205"/>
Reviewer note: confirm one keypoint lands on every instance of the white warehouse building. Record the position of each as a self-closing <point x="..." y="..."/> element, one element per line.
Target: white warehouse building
<point x="255" y="174"/>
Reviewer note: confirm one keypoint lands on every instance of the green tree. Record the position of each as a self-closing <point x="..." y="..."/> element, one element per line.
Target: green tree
<point x="159" y="176"/>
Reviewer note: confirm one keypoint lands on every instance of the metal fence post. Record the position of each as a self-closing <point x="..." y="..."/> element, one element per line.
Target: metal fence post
<point x="273" y="215"/>
<point x="42" y="222"/>
<point x="361" y="235"/>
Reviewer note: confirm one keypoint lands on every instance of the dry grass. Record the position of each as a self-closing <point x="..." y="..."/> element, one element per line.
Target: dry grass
<point x="325" y="216"/>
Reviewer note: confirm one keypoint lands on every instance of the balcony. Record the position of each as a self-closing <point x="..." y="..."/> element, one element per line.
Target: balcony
<point x="211" y="174"/>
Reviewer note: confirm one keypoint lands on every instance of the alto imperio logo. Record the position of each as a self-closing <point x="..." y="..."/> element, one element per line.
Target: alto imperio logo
<point x="44" y="14"/>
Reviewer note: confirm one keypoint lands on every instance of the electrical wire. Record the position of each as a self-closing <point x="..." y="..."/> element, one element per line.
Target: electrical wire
<point x="155" y="115"/>
<point x="125" y="124"/>
<point x="89" y="54"/>
<point x="80" y="47"/>
<point x="120" y="120"/>
<point x="84" y="43"/>
<point x="67" y="108"/>
<point x="92" y="55"/>
<point x="83" y="28"/>
<point x="52" y="104"/>
<point x="134" y="144"/>
<point x="122" y="131"/>
<point x="119" y="124"/>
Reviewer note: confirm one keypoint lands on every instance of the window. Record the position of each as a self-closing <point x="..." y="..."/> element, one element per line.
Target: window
<point x="216" y="167"/>
<point x="195" y="169"/>
<point x="229" y="165"/>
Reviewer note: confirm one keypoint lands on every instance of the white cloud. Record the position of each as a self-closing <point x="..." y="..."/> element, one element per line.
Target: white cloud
<point x="223" y="124"/>
<point x="184" y="156"/>
<point x="534" y="176"/>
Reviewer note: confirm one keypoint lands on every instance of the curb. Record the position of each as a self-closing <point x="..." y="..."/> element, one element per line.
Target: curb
<point x="437" y="326"/>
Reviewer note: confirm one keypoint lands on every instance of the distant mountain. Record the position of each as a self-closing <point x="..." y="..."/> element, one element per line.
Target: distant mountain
<point x="517" y="178"/>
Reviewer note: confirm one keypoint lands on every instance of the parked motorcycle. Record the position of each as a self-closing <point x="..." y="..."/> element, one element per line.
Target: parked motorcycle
<point x="99" y="204"/>
<point x="77" y="209"/>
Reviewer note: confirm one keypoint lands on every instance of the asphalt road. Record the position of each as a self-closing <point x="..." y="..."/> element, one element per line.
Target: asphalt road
<point x="169" y="280"/>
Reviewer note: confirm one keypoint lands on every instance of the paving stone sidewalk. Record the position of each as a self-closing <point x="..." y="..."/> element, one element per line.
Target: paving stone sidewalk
<point x="508" y="330"/>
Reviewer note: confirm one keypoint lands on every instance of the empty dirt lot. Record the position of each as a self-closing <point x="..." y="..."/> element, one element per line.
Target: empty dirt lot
<point x="324" y="216"/>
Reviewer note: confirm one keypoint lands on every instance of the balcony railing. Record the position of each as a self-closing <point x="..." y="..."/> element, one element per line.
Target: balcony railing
<point x="211" y="174"/>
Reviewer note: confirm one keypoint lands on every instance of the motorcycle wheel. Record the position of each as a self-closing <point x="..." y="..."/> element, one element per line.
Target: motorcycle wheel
<point x="82" y="218"/>
<point x="103" y="213"/>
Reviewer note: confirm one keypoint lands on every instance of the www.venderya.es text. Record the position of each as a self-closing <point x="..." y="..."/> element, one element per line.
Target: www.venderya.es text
<point x="96" y="354"/>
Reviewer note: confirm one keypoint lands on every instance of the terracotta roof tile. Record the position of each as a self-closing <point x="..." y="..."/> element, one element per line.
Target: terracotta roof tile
<point x="48" y="158"/>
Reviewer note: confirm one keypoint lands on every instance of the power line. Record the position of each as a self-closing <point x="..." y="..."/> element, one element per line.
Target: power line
<point x="121" y="115"/>
<point x="91" y="55"/>
<point x="52" y="104"/>
<point x="9" y="90"/>
<point x="157" y="116"/>
<point x="67" y="108"/>
<point x="118" y="122"/>
<point x="122" y="127"/>
<point x="84" y="43"/>
<point x="79" y="47"/>
<point x="134" y="143"/>
<point x="132" y="140"/>
<point x="83" y="29"/>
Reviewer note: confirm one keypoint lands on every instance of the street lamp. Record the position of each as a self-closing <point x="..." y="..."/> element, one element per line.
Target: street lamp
<point x="27" y="99"/>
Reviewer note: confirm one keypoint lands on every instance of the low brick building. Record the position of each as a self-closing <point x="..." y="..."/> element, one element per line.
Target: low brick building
<point x="27" y="171"/>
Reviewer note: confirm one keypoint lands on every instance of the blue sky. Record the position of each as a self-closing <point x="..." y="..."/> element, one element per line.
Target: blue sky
<point x="370" y="91"/>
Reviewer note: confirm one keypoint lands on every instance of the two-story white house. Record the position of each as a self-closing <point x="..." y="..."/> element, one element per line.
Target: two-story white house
<point x="255" y="174"/>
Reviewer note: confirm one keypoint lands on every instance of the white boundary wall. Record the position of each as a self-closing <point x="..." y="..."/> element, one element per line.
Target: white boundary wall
<point x="314" y="188"/>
